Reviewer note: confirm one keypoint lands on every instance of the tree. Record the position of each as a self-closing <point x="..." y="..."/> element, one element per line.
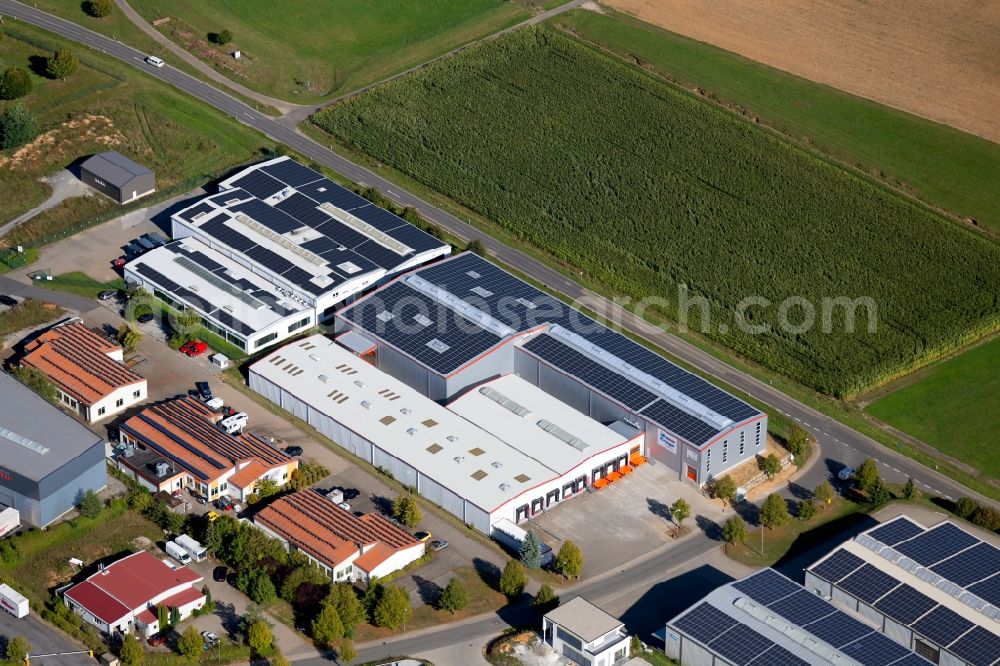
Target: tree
<point x="327" y="627"/>
<point x="406" y="510"/>
<point x="531" y="551"/>
<point x="131" y="652"/>
<point x="129" y="337"/>
<point x="910" y="489"/>
<point x="38" y="382"/>
<point x="965" y="507"/>
<point x="771" y="465"/>
<point x="455" y="597"/>
<point x="349" y="608"/>
<point x="346" y="652"/>
<point x="18" y="649"/>
<point x="266" y="488"/>
<point x="371" y="596"/>
<point x="806" y="509"/>
<point x="187" y="323"/>
<point x="866" y="475"/>
<point x="175" y="616"/>
<point x="98" y="8"/>
<point x="261" y="589"/>
<point x="162" y="617"/>
<point x="546" y="600"/>
<point x="735" y="530"/>
<point x="725" y="489"/>
<point x="987" y="517"/>
<point x="569" y="560"/>
<point x="207" y="591"/>
<point x="61" y="64"/>
<point x="476" y="247"/>
<point x="392" y="609"/>
<point x="513" y="579"/>
<point x="14" y="82"/>
<point x="879" y="493"/>
<point x="680" y="511"/>
<point x="823" y="494"/>
<point x="278" y="659"/>
<point x="223" y="37"/>
<point x="191" y="644"/>
<point x="774" y="512"/>
<point x="797" y="440"/>
<point x="635" y="645"/>
<point x="259" y="636"/>
<point x="18" y="126"/>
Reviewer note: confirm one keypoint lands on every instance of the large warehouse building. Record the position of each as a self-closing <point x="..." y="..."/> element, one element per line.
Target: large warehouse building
<point x="451" y="325"/>
<point x="935" y="590"/>
<point x="47" y="460"/>
<point x="766" y="619"/>
<point x="504" y="451"/>
<point x="315" y="241"/>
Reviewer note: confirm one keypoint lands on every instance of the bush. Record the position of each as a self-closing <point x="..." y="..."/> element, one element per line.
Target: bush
<point x="61" y="64"/>
<point x="38" y="382"/>
<point x="98" y="8"/>
<point x="866" y="476"/>
<point x="987" y="517"/>
<point x="129" y="337"/>
<point x="346" y="653"/>
<point x="131" y="651"/>
<point x="222" y="37"/>
<point x="18" y="649"/>
<point x="806" y="509"/>
<point x="18" y="126"/>
<point x="823" y="494"/>
<point x="546" y="600"/>
<point x="476" y="247"/>
<point x="259" y="637"/>
<point x="879" y="494"/>
<point x="513" y="579"/>
<point x="454" y="597"/>
<point x="261" y="589"/>
<point x="191" y="644"/>
<point x="90" y="505"/>
<point x="910" y="489"/>
<point x="725" y="489"/>
<point x="14" y="82"/>
<point x="569" y="560"/>
<point x="965" y="507"/>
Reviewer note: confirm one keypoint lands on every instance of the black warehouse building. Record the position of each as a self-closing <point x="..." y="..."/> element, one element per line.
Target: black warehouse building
<point x="118" y="177"/>
<point x="47" y="459"/>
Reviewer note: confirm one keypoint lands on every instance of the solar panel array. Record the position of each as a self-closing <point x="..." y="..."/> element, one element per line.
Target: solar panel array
<point x="297" y="212"/>
<point x="524" y="307"/>
<point x="739" y="644"/>
<point x="946" y="550"/>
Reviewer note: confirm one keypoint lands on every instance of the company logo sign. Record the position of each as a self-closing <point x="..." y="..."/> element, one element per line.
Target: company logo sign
<point x="666" y="441"/>
<point x="5" y="475"/>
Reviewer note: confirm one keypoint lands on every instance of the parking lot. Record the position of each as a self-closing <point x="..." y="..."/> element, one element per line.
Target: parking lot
<point x="44" y="640"/>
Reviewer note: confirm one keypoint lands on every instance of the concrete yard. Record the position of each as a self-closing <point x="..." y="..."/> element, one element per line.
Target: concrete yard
<point x="44" y="640"/>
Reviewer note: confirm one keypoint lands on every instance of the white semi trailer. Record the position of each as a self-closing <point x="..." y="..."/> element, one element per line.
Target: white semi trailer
<point x="10" y="520"/>
<point x="13" y="602"/>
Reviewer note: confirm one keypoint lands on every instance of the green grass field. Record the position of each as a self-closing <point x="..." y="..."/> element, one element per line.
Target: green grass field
<point x="943" y="166"/>
<point x="953" y="406"/>
<point x="107" y="105"/>
<point x="648" y="189"/>
<point x="314" y="49"/>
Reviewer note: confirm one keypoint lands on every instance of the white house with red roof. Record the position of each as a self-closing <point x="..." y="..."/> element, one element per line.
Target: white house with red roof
<point x="123" y="596"/>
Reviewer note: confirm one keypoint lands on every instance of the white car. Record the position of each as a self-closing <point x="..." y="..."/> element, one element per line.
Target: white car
<point x="154" y="61"/>
<point x="210" y="637"/>
<point x="345" y="506"/>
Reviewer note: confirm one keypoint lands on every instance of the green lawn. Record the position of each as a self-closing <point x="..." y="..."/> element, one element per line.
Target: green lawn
<point x="313" y="49"/>
<point x="79" y="283"/>
<point x="953" y="406"/>
<point x="950" y="169"/>
<point x="651" y="191"/>
<point x="28" y="313"/>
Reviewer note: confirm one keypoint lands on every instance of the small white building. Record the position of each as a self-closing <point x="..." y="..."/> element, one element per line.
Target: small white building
<point x="585" y="634"/>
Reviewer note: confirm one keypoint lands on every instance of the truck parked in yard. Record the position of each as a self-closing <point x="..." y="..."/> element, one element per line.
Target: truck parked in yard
<point x="10" y="520"/>
<point x="13" y="602"/>
<point x="193" y="548"/>
<point x="512" y="536"/>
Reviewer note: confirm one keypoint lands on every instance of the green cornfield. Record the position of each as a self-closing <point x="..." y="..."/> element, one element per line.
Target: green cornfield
<point x="653" y="192"/>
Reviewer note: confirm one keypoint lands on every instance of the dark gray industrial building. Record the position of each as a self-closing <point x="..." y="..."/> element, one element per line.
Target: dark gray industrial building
<point x="117" y="176"/>
<point x="47" y="459"/>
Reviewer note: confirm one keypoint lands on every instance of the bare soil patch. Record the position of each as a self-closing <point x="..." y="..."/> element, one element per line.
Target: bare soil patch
<point x="939" y="59"/>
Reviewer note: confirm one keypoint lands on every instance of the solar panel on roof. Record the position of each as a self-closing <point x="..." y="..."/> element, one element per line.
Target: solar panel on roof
<point x="837" y="566"/>
<point x="895" y="531"/>
<point x="988" y="589"/>
<point x="270" y="217"/>
<point x="972" y="565"/>
<point x="801" y="608"/>
<point x="231" y="322"/>
<point x="381" y="256"/>
<point x="766" y="587"/>
<point x="778" y="656"/>
<point x="331" y="193"/>
<point x="195" y="211"/>
<point x="303" y="209"/>
<point x="704" y="622"/>
<point x="979" y="647"/>
<point x="942" y="625"/>
<point x="875" y="649"/>
<point x="740" y="645"/>
<point x="936" y="544"/>
<point x="292" y="173"/>
<point x="905" y="604"/>
<point x="868" y="583"/>
<point x="911" y="660"/>
<point x="681" y="423"/>
<point x="379" y="218"/>
<point x="259" y="184"/>
<point x="838" y="629"/>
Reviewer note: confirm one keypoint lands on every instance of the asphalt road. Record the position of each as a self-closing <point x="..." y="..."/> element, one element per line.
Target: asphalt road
<point x="44" y="640"/>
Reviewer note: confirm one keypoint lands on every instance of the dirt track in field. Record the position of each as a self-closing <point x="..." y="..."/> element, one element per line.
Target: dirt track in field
<point x="939" y="59"/>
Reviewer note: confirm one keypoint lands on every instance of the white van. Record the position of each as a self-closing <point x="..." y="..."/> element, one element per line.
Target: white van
<point x="178" y="553"/>
<point x="154" y="61"/>
<point x="234" y="423"/>
<point x="193" y="548"/>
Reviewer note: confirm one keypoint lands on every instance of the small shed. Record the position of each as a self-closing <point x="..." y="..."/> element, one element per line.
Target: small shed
<point x="117" y="176"/>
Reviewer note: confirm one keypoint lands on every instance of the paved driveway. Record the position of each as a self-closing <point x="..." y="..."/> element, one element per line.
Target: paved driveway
<point x="44" y="640"/>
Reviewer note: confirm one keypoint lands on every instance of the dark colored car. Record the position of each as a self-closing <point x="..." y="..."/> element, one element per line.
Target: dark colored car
<point x="293" y="450"/>
<point x="350" y="493"/>
<point x="146" y="318"/>
<point x="204" y="391"/>
<point x="7" y="300"/>
<point x="219" y="574"/>
<point x="232" y="578"/>
<point x="157" y="639"/>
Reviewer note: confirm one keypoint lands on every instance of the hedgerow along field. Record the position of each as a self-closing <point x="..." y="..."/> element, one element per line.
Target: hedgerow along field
<point x="646" y="188"/>
<point x="307" y="50"/>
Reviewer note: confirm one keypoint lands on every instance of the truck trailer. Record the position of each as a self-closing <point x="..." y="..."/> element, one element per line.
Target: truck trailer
<point x="10" y="520"/>
<point x="14" y="603"/>
<point x="193" y="548"/>
<point x="512" y="536"/>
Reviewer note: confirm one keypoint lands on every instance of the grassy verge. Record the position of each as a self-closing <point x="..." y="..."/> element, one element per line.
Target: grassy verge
<point x="29" y="313"/>
<point x="79" y="283"/>
<point x="657" y="658"/>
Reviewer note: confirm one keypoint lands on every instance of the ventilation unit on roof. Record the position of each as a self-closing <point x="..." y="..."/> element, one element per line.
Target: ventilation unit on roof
<point x="561" y="434"/>
<point x="359" y="383"/>
<point x="405" y="411"/>
<point x="324" y="379"/>
<point x="460" y="306"/>
<point x="504" y="487"/>
<point x="366" y="404"/>
<point x="459" y="459"/>
<point x="503" y="401"/>
<point x="452" y="438"/>
<point x="162" y="469"/>
<point x="497" y="465"/>
<point x="315" y="357"/>
<point x="411" y="431"/>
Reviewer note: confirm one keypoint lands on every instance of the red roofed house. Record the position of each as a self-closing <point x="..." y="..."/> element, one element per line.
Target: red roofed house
<point x="177" y="444"/>
<point x="124" y="595"/>
<point x="345" y="546"/>
<point x="87" y="370"/>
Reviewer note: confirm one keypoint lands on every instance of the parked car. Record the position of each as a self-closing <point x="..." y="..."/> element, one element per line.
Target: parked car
<point x="422" y="536"/>
<point x="211" y="638"/>
<point x="194" y="348"/>
<point x="345" y="506"/>
<point x="212" y="516"/>
<point x="219" y="574"/>
<point x="350" y="493"/>
<point x="232" y="578"/>
<point x="845" y="474"/>
<point x="157" y="639"/>
<point x="119" y="262"/>
<point x="7" y="300"/>
<point x="146" y="318"/>
<point x="293" y="450"/>
<point x="224" y="503"/>
<point x="204" y="390"/>
<point x="439" y="545"/>
<point x="108" y="295"/>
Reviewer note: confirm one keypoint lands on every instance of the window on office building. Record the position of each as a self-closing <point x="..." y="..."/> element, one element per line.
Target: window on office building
<point x="758" y="434"/>
<point x="743" y="441"/>
<point x="297" y="325"/>
<point x="725" y="451"/>
<point x="136" y="394"/>
<point x="708" y="460"/>
<point x="264" y="340"/>
<point x="119" y="402"/>
<point x="101" y="410"/>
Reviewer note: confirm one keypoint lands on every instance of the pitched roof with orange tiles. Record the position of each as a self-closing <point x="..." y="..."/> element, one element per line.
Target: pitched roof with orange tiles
<point x="76" y="359"/>
<point x="314" y="524"/>
<point x="184" y="431"/>
<point x="248" y="475"/>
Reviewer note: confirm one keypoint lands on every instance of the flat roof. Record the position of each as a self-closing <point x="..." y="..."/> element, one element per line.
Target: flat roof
<point x="942" y="581"/>
<point x="534" y="422"/>
<point x="767" y="619"/>
<point x="466" y="306"/>
<point x="217" y="286"/>
<point x="439" y="443"/>
<point x="114" y="167"/>
<point x="584" y="619"/>
<point x="306" y="229"/>
<point x="36" y="437"/>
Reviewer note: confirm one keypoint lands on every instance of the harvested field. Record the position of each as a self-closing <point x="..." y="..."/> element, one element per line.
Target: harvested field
<point x="939" y="59"/>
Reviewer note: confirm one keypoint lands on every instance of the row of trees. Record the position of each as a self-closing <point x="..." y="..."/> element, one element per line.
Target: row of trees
<point x="16" y="81"/>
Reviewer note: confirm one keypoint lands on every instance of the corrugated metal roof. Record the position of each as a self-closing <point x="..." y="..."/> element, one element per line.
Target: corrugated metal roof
<point x="115" y="168"/>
